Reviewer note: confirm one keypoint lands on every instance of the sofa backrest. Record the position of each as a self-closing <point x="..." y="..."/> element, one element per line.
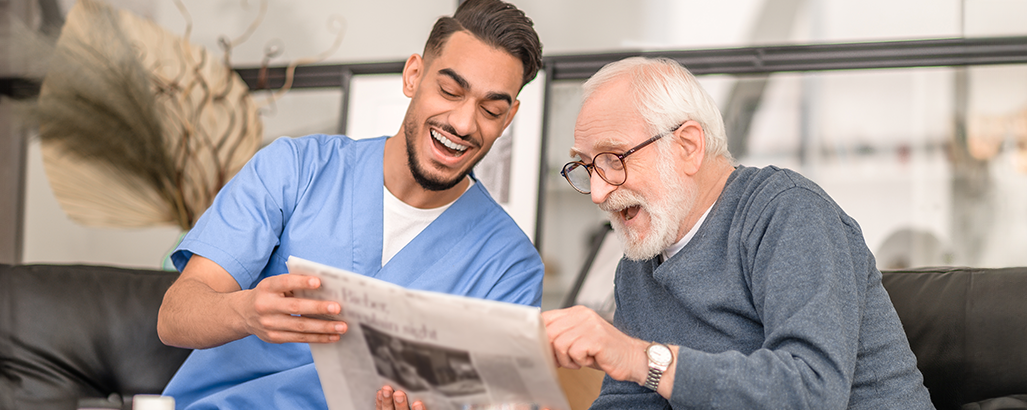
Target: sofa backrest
<point x="69" y="332"/>
<point x="967" y="328"/>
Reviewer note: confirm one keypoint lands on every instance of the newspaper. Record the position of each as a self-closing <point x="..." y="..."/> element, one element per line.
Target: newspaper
<point x="451" y="352"/>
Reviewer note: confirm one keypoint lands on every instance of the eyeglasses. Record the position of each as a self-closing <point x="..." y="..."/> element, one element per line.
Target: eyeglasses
<point x="608" y="165"/>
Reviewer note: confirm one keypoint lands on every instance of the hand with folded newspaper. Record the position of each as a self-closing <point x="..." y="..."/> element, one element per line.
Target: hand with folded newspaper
<point x="390" y="399"/>
<point x="206" y="307"/>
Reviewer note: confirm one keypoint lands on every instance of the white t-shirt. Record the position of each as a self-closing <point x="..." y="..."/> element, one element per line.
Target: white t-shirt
<point x="402" y="223"/>
<point x="673" y="249"/>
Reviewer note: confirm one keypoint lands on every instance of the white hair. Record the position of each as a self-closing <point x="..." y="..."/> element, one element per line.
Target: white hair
<point x="666" y="95"/>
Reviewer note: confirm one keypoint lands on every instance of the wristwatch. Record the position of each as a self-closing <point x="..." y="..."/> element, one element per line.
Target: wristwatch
<point x="660" y="358"/>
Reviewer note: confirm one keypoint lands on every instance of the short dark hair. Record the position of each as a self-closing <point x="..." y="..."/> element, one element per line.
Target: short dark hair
<point x="496" y="23"/>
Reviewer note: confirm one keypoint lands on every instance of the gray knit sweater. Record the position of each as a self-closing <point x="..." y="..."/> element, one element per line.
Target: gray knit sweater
<point x="777" y="304"/>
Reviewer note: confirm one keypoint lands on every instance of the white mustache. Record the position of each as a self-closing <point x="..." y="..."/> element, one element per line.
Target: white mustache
<point x="620" y="200"/>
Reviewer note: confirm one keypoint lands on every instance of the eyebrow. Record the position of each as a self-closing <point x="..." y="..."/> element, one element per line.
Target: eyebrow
<point x="603" y="145"/>
<point x="462" y="82"/>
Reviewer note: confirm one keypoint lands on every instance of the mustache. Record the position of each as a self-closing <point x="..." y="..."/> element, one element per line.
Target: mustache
<point x="448" y="129"/>
<point x="621" y="199"/>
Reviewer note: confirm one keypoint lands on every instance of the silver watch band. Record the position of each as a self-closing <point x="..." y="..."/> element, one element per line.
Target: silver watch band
<point x="652" y="380"/>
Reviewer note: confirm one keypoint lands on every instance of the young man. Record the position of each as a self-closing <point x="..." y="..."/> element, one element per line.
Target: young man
<point x="741" y="288"/>
<point x="403" y="209"/>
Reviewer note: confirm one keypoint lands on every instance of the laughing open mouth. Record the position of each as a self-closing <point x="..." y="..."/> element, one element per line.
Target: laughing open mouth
<point x="451" y="146"/>
<point x="630" y="212"/>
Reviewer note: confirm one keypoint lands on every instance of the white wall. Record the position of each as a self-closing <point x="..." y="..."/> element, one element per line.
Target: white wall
<point x="390" y="30"/>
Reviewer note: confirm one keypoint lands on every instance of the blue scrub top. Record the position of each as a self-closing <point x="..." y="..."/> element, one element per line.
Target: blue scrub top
<point x="320" y="198"/>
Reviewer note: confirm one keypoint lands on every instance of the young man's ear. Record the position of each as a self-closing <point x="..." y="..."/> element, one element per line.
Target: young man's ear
<point x="412" y="71"/>
<point x="692" y="139"/>
<point x="510" y="114"/>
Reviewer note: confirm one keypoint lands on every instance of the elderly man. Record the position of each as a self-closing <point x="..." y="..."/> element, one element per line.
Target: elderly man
<point x="741" y="288"/>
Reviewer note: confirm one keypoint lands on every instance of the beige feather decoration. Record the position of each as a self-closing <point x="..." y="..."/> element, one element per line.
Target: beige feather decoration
<point x="139" y="127"/>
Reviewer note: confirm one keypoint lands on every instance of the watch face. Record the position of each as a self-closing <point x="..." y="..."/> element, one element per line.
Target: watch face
<point x="659" y="354"/>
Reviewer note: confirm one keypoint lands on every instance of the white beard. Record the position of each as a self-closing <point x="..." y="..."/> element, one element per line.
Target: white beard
<point x="666" y="213"/>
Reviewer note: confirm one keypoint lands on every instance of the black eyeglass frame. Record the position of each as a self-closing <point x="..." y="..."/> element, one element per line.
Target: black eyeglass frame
<point x="620" y="157"/>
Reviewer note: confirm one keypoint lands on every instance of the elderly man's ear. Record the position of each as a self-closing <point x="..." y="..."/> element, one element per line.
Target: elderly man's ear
<point x="692" y="139"/>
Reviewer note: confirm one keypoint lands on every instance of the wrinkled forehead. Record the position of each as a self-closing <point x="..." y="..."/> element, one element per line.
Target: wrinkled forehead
<point x="606" y="126"/>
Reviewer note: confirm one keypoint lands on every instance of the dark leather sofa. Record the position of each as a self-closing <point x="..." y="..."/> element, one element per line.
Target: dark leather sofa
<point x="87" y="334"/>
<point x="968" y="330"/>
<point x="79" y="335"/>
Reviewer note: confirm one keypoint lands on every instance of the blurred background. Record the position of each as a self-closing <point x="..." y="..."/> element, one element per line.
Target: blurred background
<point x="931" y="160"/>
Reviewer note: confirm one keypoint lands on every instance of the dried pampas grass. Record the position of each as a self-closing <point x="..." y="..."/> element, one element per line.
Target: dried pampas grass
<point x="138" y="127"/>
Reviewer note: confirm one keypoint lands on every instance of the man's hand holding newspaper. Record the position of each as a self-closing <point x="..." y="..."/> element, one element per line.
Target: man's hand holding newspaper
<point x="435" y="350"/>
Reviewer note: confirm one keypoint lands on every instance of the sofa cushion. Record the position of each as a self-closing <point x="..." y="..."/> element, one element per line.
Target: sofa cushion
<point x="968" y="329"/>
<point x="69" y="332"/>
<point x="1017" y="402"/>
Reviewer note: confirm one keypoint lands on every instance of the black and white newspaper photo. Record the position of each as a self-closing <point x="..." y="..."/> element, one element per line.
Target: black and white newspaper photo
<point x="451" y="352"/>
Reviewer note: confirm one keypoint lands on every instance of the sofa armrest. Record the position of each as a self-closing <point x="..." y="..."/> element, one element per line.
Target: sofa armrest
<point x="69" y="332"/>
<point x="967" y="328"/>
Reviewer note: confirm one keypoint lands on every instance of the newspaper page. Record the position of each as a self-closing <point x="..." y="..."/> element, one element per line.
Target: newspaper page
<point x="451" y="352"/>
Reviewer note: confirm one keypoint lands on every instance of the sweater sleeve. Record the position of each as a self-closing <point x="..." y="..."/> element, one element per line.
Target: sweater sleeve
<point x="807" y="290"/>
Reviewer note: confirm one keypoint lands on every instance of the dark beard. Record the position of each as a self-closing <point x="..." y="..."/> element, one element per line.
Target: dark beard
<point x="419" y="174"/>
